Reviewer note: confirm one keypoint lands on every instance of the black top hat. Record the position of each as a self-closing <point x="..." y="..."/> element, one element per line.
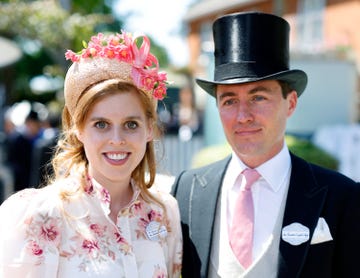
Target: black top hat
<point x="252" y="46"/>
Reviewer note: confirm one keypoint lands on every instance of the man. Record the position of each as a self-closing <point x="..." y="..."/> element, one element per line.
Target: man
<point x="304" y="220"/>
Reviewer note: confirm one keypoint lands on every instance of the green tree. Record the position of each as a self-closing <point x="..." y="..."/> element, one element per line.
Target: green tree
<point x="53" y="27"/>
<point x="45" y="29"/>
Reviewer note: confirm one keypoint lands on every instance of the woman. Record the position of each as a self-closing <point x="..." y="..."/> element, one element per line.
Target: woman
<point x="99" y="217"/>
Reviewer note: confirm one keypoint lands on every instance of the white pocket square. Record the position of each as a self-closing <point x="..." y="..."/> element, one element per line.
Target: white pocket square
<point x="321" y="233"/>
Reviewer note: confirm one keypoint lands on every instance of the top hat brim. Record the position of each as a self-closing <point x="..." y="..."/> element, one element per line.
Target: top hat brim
<point x="297" y="79"/>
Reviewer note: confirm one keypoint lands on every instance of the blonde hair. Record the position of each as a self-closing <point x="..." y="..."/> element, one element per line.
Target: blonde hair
<point x="70" y="153"/>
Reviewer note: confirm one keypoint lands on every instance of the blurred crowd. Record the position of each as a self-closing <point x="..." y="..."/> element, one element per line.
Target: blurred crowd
<point x="30" y="132"/>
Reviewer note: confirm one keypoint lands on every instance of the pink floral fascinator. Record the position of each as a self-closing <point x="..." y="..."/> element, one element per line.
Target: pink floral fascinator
<point x="115" y="56"/>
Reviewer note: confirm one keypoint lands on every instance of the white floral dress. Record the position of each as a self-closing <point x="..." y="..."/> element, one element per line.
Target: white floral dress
<point x="45" y="233"/>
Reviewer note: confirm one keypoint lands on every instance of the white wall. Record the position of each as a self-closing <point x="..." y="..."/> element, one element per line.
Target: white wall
<point x="330" y="97"/>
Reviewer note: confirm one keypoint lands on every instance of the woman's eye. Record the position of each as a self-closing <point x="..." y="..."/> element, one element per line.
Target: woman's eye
<point x="101" y="125"/>
<point x="131" y="125"/>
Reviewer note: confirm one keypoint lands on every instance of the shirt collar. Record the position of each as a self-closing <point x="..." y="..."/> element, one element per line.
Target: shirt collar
<point x="274" y="171"/>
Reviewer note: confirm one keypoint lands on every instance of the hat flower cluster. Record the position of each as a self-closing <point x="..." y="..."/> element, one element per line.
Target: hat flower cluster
<point x="123" y="47"/>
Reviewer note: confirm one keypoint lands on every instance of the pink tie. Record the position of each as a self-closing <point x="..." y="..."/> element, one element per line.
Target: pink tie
<point x="242" y="229"/>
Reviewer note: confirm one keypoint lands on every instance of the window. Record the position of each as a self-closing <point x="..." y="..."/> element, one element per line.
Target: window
<point x="310" y="25"/>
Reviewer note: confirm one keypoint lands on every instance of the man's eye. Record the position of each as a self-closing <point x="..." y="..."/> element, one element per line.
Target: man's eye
<point x="229" y="102"/>
<point x="131" y="125"/>
<point x="101" y="125"/>
<point x="258" y="98"/>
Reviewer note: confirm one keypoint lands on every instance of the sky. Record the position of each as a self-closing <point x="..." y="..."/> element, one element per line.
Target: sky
<point x="160" y="19"/>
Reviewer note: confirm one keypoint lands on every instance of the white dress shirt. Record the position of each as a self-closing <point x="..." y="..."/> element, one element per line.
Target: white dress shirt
<point x="268" y="193"/>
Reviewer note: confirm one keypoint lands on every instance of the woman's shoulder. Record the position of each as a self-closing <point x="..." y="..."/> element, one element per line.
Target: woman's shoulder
<point x="27" y="201"/>
<point x="169" y="202"/>
<point x="164" y="196"/>
<point x="163" y="183"/>
<point x="27" y="195"/>
<point x="24" y="210"/>
<point x="35" y="200"/>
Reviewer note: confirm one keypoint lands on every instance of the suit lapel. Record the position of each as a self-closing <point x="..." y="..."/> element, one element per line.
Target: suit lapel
<point x="304" y="203"/>
<point x="205" y="191"/>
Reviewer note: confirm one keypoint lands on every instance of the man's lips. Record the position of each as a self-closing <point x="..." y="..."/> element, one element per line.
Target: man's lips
<point x="247" y="131"/>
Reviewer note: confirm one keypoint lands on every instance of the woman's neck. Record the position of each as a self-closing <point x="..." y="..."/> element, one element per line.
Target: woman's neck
<point x="120" y="197"/>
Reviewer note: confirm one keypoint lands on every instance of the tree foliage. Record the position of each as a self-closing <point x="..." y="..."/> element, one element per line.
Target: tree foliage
<point x="53" y="27"/>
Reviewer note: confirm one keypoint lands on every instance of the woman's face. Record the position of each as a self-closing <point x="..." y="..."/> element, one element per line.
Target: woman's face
<point x="114" y="135"/>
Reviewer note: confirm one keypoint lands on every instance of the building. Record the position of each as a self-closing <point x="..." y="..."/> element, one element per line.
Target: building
<point x="324" y="40"/>
<point x="326" y="27"/>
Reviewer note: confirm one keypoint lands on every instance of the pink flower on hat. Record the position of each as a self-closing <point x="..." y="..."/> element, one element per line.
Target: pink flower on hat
<point x="123" y="47"/>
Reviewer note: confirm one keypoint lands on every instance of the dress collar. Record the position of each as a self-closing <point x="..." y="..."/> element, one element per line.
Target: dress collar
<point x="96" y="190"/>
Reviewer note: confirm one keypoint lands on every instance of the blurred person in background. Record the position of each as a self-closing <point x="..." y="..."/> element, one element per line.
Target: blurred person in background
<point x="18" y="150"/>
<point x="187" y="115"/>
<point x="43" y="150"/>
<point x="21" y="140"/>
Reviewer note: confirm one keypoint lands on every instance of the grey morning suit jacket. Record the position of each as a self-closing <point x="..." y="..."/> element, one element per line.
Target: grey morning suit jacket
<point x="313" y="192"/>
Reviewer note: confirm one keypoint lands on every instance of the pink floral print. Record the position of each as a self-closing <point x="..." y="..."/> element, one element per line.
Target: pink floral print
<point x="82" y="239"/>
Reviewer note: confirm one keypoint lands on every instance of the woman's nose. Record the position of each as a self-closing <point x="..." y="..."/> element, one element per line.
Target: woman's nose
<point x="117" y="137"/>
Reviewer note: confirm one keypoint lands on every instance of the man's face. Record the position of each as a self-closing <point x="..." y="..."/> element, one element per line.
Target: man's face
<point x="254" y="118"/>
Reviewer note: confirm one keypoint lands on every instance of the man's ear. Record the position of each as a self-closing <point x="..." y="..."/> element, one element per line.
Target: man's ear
<point x="292" y="99"/>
